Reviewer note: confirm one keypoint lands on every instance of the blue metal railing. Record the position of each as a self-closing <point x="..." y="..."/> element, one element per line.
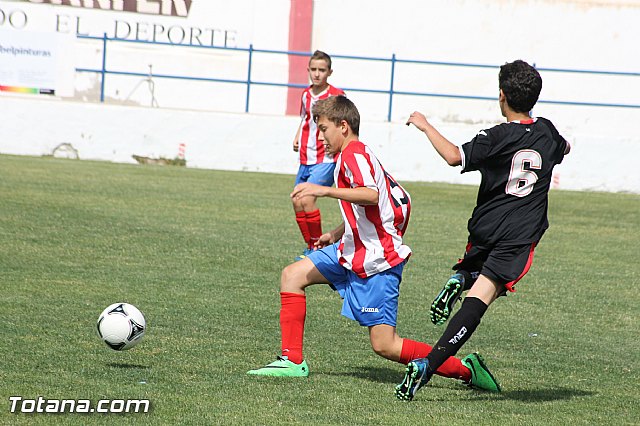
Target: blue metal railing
<point x="390" y="92"/>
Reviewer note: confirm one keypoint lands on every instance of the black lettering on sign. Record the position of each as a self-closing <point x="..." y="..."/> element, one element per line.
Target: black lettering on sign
<point x="179" y="8"/>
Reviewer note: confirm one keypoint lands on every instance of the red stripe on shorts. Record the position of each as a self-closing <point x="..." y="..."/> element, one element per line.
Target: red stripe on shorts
<point x="510" y="285"/>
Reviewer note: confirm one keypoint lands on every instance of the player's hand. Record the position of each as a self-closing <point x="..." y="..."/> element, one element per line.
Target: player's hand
<point x="307" y="189"/>
<point x="419" y="120"/>
<point x="325" y="239"/>
<point x="296" y="145"/>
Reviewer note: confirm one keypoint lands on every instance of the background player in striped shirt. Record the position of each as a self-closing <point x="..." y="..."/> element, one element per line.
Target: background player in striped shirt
<point x="362" y="259"/>
<point x="316" y="165"/>
<point x="516" y="160"/>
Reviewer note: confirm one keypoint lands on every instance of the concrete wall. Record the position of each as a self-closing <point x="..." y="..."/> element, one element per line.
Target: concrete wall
<point x="254" y="142"/>
<point x="573" y="34"/>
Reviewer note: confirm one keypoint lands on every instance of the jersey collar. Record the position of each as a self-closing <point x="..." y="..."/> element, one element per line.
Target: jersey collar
<point x="529" y="121"/>
<point x="313" y="95"/>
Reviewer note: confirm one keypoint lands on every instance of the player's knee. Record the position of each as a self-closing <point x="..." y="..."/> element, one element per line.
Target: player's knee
<point x="285" y="278"/>
<point x="289" y="279"/>
<point x="297" y="204"/>
<point x="382" y="347"/>
<point x="308" y="203"/>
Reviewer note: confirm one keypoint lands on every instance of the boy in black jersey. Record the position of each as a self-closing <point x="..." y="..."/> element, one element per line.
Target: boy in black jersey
<point x="516" y="160"/>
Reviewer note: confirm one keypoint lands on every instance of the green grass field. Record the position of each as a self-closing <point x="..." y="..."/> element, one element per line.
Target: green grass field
<point x="200" y="253"/>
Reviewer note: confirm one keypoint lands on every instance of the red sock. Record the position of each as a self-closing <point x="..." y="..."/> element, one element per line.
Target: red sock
<point x="293" y="310"/>
<point x="452" y="368"/>
<point x="314" y="222"/>
<point x="301" y="218"/>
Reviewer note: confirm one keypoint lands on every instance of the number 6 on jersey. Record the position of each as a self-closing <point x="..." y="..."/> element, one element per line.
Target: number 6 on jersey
<point x="521" y="180"/>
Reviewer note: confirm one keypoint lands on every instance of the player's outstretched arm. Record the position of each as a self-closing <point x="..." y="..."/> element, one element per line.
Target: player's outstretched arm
<point x="442" y="145"/>
<point x="361" y="195"/>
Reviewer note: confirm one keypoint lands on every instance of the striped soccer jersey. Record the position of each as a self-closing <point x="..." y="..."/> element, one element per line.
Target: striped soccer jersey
<point x="311" y="150"/>
<point x="372" y="240"/>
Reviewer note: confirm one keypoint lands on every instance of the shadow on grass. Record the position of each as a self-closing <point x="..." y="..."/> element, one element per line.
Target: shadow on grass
<point x="125" y="365"/>
<point x="542" y="395"/>
<point x="394" y="376"/>
<point x="380" y="375"/>
<point x="375" y="374"/>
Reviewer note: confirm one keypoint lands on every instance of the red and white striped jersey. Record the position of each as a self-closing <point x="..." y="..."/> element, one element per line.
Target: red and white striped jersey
<point x="372" y="240"/>
<point x="311" y="150"/>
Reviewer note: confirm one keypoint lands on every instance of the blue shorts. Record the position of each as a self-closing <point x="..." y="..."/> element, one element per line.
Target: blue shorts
<point x="321" y="174"/>
<point x="370" y="301"/>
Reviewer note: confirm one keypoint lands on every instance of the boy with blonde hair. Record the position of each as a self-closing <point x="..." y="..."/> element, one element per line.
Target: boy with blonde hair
<point x="362" y="259"/>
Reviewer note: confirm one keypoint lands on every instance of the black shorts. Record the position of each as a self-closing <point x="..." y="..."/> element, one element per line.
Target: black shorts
<point x="504" y="264"/>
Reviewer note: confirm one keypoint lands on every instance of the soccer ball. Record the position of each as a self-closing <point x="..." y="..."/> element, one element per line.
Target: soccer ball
<point x="121" y="326"/>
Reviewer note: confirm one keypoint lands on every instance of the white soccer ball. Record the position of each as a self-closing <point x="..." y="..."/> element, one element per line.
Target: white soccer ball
<point x="121" y="326"/>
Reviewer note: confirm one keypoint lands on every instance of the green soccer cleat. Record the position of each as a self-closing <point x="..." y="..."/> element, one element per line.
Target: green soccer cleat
<point x="481" y="377"/>
<point x="442" y="305"/>
<point x="282" y="367"/>
<point x="416" y="376"/>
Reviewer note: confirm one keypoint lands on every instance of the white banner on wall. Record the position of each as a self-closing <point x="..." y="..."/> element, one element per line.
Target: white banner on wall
<point x="210" y="23"/>
<point x="36" y="63"/>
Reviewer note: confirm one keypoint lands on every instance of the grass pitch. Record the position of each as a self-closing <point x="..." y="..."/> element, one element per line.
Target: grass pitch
<point x="200" y="253"/>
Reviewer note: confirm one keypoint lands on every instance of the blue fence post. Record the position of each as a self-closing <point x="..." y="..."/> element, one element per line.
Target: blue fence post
<point x="393" y="72"/>
<point x="103" y="72"/>
<point x="246" y="105"/>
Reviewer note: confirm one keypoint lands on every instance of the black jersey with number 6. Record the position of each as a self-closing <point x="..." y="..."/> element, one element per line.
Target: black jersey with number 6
<point x="516" y="160"/>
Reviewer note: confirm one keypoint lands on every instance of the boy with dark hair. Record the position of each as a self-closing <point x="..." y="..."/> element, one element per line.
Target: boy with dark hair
<point x="362" y="259"/>
<point x="316" y="165"/>
<point x="516" y="160"/>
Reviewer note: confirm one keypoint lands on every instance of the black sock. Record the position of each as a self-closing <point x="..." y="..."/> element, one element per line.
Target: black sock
<point x="460" y="328"/>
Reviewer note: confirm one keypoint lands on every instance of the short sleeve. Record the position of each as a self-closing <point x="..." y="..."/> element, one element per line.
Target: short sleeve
<point x="358" y="171"/>
<point x="476" y="151"/>
<point x="303" y="110"/>
<point x="560" y="142"/>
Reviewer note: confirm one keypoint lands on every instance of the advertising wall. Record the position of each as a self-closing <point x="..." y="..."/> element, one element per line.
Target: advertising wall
<point x="205" y="26"/>
<point x="37" y="63"/>
<point x="207" y="23"/>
